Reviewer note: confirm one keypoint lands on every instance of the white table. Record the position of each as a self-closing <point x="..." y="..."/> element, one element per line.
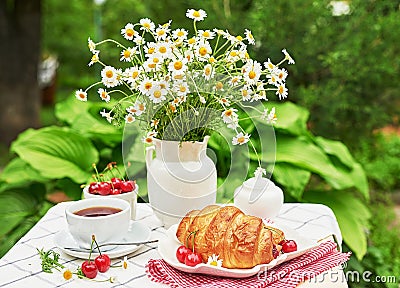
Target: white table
<point x="21" y="266"/>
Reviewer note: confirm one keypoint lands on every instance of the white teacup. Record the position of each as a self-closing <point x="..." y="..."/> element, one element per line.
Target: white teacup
<point x="106" y="228"/>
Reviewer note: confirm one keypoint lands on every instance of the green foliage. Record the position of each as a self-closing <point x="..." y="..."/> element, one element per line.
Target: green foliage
<point x="381" y="161"/>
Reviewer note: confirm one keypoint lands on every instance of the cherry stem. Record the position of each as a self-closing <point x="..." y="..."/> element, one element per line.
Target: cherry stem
<point x="97" y="245"/>
<point x="97" y="172"/>
<point x="91" y="248"/>
<point x="187" y="239"/>
<point x="119" y="172"/>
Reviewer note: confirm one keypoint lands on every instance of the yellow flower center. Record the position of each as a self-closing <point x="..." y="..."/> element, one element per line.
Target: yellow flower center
<point x="214" y="263"/>
<point x="252" y="74"/>
<point x="219" y="85"/>
<point x="207" y="71"/>
<point x="271" y="66"/>
<point x="160" y="32"/>
<point x="82" y="95"/>
<point x="172" y="107"/>
<point x="196" y="14"/>
<point x="206" y="34"/>
<point x="148" y="86"/>
<point x="147" y="140"/>
<point x="240" y="38"/>
<point x="211" y="60"/>
<point x="151" y="65"/>
<point x="280" y="89"/>
<point x="228" y="113"/>
<point x="156" y="60"/>
<point x="245" y="93"/>
<point x="109" y="74"/>
<point x="162" y="85"/>
<point x="191" y="41"/>
<point x="146" y="25"/>
<point x="127" y="54"/>
<point x="95" y="58"/>
<point x="178" y="65"/>
<point x="280" y="75"/>
<point x="180" y="33"/>
<point x="182" y="88"/>
<point x="130" y="32"/>
<point x="203" y="51"/>
<point x="241" y="139"/>
<point x="162" y="49"/>
<point x="141" y="107"/>
<point x="135" y="74"/>
<point x="67" y="274"/>
<point x="157" y="94"/>
<point x="151" y="50"/>
<point x="233" y="54"/>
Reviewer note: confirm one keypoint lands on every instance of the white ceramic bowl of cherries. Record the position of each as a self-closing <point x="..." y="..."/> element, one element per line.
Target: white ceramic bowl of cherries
<point x="115" y="188"/>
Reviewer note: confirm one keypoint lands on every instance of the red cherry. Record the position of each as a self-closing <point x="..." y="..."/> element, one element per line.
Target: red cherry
<point x="104" y="188"/>
<point x="115" y="191"/>
<point x="89" y="269"/>
<point x="275" y="252"/>
<point x="116" y="182"/>
<point x="93" y="187"/>
<point x="181" y="253"/>
<point x="127" y="186"/>
<point x="193" y="258"/>
<point x="289" y="246"/>
<point x="103" y="262"/>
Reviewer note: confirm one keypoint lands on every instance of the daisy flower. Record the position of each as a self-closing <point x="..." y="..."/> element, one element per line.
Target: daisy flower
<point x="246" y="93"/>
<point x="104" y="95"/>
<point x="146" y="86"/>
<point x="232" y="56"/>
<point x="287" y="56"/>
<point x="214" y="261"/>
<point x="208" y="72"/>
<point x="128" y="32"/>
<point x="109" y="76"/>
<point x="224" y="102"/>
<point x="181" y="88"/>
<point x="157" y="94"/>
<point x="269" y="116"/>
<point x="270" y="66"/>
<point x="162" y="32"/>
<point x="179" y="34"/>
<point x="196" y="15"/>
<point x="127" y="54"/>
<point x="106" y="115"/>
<point x="150" y="48"/>
<point x="177" y="65"/>
<point x="148" y="139"/>
<point x="206" y="34"/>
<point x="249" y="37"/>
<point x="146" y="24"/>
<point x="251" y="71"/>
<point x="240" y="139"/>
<point x="154" y="123"/>
<point x="136" y="109"/>
<point x="260" y="172"/>
<point x="154" y="63"/>
<point x="81" y="95"/>
<point x="91" y="45"/>
<point x="235" y="80"/>
<point x="131" y="74"/>
<point x="282" y="91"/>
<point x="129" y="118"/>
<point x="272" y="79"/>
<point x="281" y="74"/>
<point x="164" y="49"/>
<point x="229" y="114"/>
<point x="95" y="58"/>
<point x="203" y="50"/>
<point x="67" y="274"/>
<point x="202" y="99"/>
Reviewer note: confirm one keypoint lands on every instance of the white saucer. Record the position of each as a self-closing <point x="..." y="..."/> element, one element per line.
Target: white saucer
<point x="137" y="232"/>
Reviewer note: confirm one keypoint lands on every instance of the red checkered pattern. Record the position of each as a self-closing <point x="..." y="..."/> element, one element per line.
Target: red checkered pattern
<point x="286" y="275"/>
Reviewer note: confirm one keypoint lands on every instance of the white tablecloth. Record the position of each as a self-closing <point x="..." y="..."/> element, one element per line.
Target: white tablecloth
<point x="21" y="266"/>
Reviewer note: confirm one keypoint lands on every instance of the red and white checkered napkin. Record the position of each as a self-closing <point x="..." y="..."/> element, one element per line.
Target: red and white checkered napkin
<point x="286" y="275"/>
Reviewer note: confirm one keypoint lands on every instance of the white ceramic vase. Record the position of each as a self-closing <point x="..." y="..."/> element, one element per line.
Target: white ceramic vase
<point x="180" y="178"/>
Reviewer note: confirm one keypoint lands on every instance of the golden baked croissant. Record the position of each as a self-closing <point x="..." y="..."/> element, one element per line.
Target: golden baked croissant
<point x="240" y="240"/>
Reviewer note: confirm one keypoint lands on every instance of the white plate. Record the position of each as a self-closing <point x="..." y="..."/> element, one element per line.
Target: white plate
<point x="167" y="249"/>
<point x="137" y="232"/>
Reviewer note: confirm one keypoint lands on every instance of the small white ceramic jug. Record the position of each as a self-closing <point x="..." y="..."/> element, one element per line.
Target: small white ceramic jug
<point x="259" y="197"/>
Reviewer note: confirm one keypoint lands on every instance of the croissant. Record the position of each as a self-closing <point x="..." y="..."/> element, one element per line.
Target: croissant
<point x="240" y="240"/>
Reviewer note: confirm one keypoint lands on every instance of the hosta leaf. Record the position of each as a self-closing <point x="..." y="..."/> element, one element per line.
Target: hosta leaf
<point x="291" y="118"/>
<point x="352" y="216"/>
<point x="292" y="178"/>
<point x="57" y="153"/>
<point x="19" y="171"/>
<point x="337" y="149"/>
